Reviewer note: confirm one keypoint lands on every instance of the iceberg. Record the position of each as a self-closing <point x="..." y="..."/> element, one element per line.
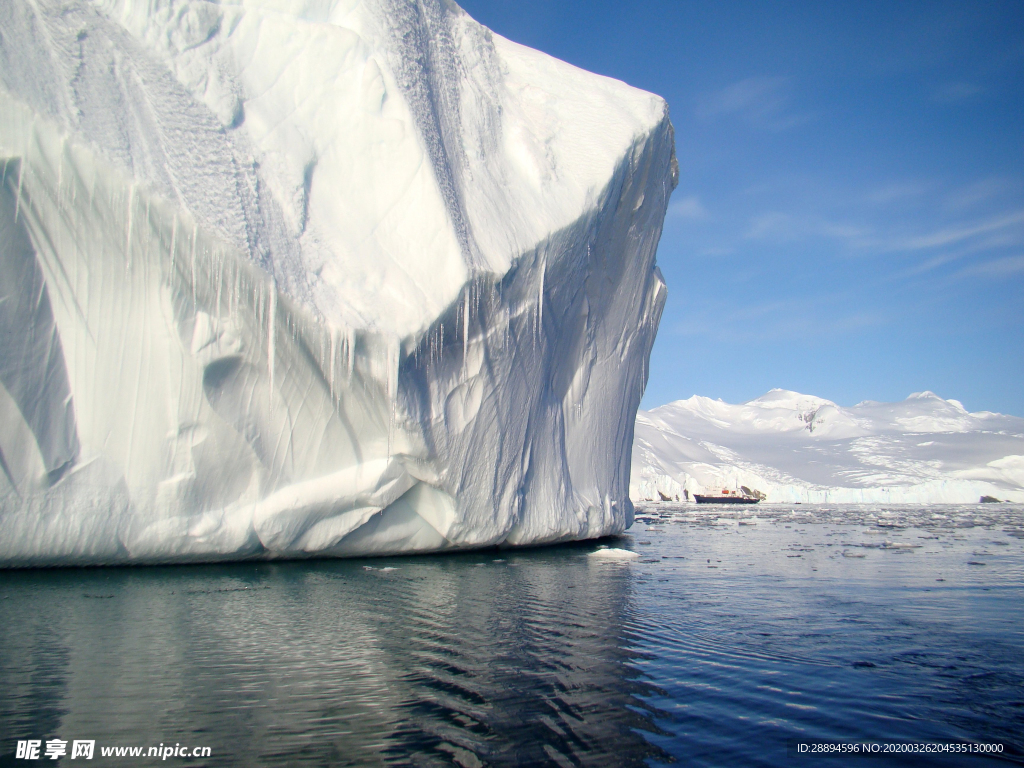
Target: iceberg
<point x="315" y="278"/>
<point x="800" y="448"/>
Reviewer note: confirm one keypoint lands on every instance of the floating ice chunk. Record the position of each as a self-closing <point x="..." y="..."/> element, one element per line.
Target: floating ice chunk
<point x="612" y="553"/>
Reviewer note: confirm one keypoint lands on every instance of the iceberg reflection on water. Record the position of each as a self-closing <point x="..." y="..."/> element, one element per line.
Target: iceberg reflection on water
<point x="477" y="658"/>
<point x="729" y="632"/>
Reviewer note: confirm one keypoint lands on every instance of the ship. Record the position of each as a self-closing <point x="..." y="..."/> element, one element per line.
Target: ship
<point x="745" y="496"/>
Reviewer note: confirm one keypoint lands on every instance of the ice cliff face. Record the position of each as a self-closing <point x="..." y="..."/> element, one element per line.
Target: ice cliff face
<point x="795" y="447"/>
<point x="314" y="278"/>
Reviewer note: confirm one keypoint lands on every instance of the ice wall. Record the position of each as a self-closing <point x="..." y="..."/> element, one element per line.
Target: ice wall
<point x="799" y="448"/>
<point x="314" y="278"/>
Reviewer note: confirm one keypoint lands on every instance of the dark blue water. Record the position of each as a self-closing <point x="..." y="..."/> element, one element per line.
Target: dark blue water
<point x="721" y="644"/>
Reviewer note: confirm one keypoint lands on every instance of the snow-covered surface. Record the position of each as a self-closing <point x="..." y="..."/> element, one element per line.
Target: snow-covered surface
<point x="314" y="277"/>
<point x="798" y="448"/>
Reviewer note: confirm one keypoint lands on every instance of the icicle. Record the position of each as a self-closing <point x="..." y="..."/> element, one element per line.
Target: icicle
<point x="17" y="202"/>
<point x="333" y="357"/>
<point x="60" y="173"/>
<point x="540" y="298"/>
<point x="465" y="333"/>
<point x="392" y="387"/>
<point x="257" y="304"/>
<point x="195" y="238"/>
<point x="128" y="232"/>
<point x="174" y="239"/>
<point x="350" y="346"/>
<point x="390" y="370"/>
<point x="220" y="285"/>
<point x="271" y="327"/>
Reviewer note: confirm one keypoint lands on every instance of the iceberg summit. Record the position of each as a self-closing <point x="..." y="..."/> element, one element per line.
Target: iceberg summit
<point x="292" y="279"/>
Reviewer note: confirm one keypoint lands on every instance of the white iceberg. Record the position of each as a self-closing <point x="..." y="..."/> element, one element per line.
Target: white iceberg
<point x="799" y="448"/>
<point x="286" y="279"/>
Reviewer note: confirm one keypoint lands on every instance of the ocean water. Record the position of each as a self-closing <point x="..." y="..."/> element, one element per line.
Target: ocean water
<point x="731" y="636"/>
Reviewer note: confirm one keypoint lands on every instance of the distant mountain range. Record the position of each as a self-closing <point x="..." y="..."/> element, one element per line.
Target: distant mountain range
<point x="800" y="448"/>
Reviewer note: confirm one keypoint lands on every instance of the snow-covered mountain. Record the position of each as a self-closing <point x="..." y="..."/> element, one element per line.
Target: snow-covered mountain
<point x="301" y="277"/>
<point x="795" y="447"/>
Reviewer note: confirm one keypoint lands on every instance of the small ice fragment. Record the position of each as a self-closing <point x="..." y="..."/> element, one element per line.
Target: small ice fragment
<point x="614" y="554"/>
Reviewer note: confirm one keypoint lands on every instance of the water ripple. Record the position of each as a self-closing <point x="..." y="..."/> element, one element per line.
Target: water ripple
<point x="715" y="647"/>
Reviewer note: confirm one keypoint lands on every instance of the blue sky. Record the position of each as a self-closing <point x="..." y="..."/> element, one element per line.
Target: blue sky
<point x="849" y="220"/>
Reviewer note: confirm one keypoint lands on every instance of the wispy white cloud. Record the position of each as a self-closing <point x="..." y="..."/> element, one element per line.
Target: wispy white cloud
<point x="976" y="193"/>
<point x="774" y="225"/>
<point x="991" y="243"/>
<point x="717" y="250"/>
<point x="763" y="95"/>
<point x="957" y="92"/>
<point x="778" y="320"/>
<point x="897" y="192"/>
<point x="713" y="322"/>
<point x="763" y="101"/>
<point x="689" y="207"/>
<point x="780" y="226"/>
<point x="840" y="231"/>
<point x="928" y="265"/>
<point x="1004" y="267"/>
<point x="952" y="235"/>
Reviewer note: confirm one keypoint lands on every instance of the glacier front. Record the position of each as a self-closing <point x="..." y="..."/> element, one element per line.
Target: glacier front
<point x="315" y="278"/>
